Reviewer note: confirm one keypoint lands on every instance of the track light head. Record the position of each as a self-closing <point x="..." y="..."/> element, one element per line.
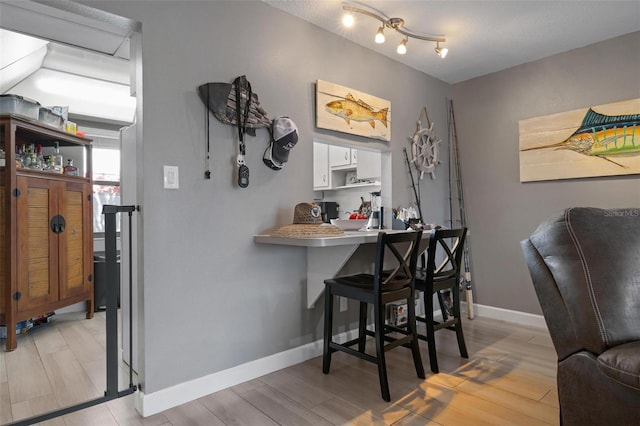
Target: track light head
<point x="380" y="36"/>
<point x="348" y="19"/>
<point x="441" y="51"/>
<point x="402" y="47"/>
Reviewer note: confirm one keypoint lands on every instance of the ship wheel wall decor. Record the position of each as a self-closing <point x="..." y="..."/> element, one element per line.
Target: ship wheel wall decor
<point x="424" y="148"/>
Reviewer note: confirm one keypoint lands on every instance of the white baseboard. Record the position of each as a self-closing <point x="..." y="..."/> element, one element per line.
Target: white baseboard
<point x="517" y="317"/>
<point x="149" y="404"/>
<point x="152" y="403"/>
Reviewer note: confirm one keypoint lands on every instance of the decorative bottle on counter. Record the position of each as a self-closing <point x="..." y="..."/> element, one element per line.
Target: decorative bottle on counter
<point x="70" y="169"/>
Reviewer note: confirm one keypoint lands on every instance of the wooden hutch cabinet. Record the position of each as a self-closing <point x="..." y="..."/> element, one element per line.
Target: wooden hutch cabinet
<point x="46" y="231"/>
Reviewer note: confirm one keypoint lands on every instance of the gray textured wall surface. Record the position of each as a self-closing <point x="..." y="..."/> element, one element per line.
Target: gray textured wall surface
<point x="502" y="211"/>
<point x="213" y="299"/>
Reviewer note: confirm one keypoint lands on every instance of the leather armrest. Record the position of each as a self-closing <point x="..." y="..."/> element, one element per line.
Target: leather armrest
<point x="622" y="364"/>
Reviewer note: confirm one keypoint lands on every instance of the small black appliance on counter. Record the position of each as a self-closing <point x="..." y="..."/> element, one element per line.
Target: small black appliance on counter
<point x="329" y="210"/>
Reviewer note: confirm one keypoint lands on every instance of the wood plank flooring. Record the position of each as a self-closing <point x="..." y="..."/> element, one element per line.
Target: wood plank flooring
<point x="509" y="379"/>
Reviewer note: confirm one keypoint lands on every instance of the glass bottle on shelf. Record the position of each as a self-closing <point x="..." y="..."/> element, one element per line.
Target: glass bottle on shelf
<point x="70" y="169"/>
<point x="47" y="165"/>
<point x="26" y="158"/>
<point x="58" y="163"/>
<point x="20" y="159"/>
<point x="39" y="157"/>
<point x="33" y="162"/>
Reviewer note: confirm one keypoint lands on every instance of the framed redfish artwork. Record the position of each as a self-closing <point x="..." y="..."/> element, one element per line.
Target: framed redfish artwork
<point x="347" y="110"/>
<point x="602" y="140"/>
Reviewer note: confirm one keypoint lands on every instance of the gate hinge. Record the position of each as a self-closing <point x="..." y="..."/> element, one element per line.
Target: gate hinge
<point x="17" y="295"/>
<point x="16" y="192"/>
<point x="89" y="197"/>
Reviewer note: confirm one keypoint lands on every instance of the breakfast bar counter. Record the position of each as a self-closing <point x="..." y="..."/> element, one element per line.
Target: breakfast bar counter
<point x="349" y="237"/>
<point x="328" y="257"/>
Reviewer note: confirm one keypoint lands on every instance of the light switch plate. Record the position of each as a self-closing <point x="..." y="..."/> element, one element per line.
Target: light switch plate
<point x="171" y="177"/>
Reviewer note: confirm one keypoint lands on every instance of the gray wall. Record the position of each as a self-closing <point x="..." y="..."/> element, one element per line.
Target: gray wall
<point x="213" y="299"/>
<point x="502" y="211"/>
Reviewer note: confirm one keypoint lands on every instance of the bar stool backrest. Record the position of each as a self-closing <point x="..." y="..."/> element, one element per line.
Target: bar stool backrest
<point x="403" y="249"/>
<point x="451" y="244"/>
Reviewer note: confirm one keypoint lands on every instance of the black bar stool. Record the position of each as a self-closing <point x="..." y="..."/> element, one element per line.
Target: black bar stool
<point x="384" y="286"/>
<point x="446" y="244"/>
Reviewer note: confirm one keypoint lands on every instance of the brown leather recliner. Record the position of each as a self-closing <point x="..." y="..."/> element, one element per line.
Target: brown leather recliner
<point x="585" y="267"/>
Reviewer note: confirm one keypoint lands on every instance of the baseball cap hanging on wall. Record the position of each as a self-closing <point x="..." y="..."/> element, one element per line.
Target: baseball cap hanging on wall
<point x="284" y="136"/>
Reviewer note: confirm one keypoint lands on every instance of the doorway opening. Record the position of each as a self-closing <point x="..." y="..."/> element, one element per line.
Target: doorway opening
<point x="78" y="57"/>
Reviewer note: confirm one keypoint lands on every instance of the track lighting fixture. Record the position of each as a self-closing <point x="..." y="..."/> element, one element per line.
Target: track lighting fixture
<point x="392" y="23"/>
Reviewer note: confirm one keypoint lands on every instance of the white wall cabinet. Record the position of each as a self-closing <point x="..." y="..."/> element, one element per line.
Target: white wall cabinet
<point x="339" y="156"/>
<point x="321" y="174"/>
<point x="331" y="164"/>
<point x="369" y="165"/>
<point x="342" y="157"/>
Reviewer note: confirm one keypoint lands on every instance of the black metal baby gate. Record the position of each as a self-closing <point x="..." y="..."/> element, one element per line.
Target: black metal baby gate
<point x="111" y="392"/>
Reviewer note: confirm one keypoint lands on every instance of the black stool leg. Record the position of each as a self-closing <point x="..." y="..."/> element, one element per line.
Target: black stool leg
<point x="362" y="327"/>
<point x="379" y="338"/>
<point x="458" y="326"/>
<point x="443" y="308"/>
<point x="328" y="329"/>
<point x="431" y="339"/>
<point x="412" y="329"/>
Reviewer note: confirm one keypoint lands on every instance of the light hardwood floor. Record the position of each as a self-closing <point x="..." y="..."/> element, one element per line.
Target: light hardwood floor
<point x="509" y="379"/>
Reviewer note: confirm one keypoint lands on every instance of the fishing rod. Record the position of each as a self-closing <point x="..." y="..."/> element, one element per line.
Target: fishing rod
<point x="455" y="157"/>
<point x="413" y="184"/>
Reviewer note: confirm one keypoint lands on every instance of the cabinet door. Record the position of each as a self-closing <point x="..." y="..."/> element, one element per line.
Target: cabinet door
<point x="354" y="156"/>
<point x="321" y="166"/>
<point x="339" y="156"/>
<point x="37" y="243"/>
<point x="369" y="165"/>
<point x="75" y="242"/>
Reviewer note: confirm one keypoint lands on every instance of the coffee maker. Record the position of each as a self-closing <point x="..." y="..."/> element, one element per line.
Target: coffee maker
<point x="376" y="216"/>
<point x="329" y="210"/>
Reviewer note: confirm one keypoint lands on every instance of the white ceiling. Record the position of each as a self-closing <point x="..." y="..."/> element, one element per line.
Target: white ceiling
<point x="482" y="36"/>
<point x="90" y="84"/>
<point x="93" y="82"/>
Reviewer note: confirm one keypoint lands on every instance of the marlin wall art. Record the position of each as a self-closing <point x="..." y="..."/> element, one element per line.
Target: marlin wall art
<point x="605" y="142"/>
<point x="347" y="110"/>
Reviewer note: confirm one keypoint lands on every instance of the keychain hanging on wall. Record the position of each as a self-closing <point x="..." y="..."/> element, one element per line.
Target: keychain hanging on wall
<point x="207" y="168"/>
<point x="243" y="104"/>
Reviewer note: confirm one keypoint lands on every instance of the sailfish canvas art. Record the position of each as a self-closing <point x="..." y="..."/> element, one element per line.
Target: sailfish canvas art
<point x="601" y="140"/>
<point x="347" y="110"/>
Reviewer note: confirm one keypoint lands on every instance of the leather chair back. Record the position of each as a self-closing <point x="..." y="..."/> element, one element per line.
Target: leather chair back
<point x="585" y="266"/>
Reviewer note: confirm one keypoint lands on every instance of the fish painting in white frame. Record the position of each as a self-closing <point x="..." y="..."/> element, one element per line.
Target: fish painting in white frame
<point x="347" y="110"/>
